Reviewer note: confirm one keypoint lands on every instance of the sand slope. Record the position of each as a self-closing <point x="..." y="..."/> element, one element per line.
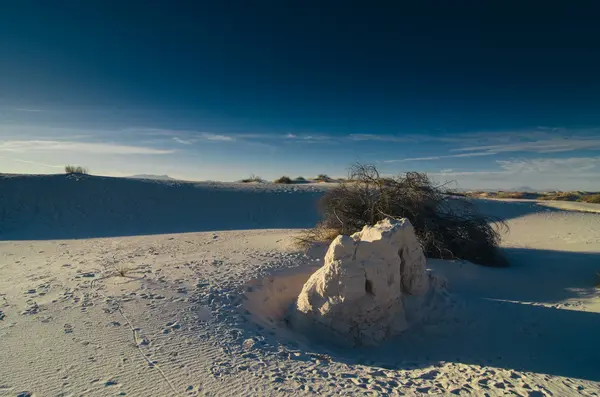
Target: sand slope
<point x="200" y="313"/>
<point x="60" y="206"/>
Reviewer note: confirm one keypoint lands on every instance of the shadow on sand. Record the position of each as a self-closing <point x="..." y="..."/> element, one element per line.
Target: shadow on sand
<point x="498" y="317"/>
<point x="46" y="207"/>
<point x="60" y="207"/>
<point x="511" y="209"/>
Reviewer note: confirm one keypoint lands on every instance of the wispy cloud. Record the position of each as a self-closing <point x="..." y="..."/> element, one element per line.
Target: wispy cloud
<point x="476" y="154"/>
<point x="304" y="138"/>
<point x="550" y="165"/>
<point x="182" y="141"/>
<point x="28" y="110"/>
<point x="182" y="136"/>
<point x="384" y="138"/>
<point x="559" y="167"/>
<point x="216" y="137"/>
<point x="538" y="146"/>
<point x="283" y="138"/>
<point x="23" y="146"/>
<point x="453" y="173"/>
<point x="32" y="162"/>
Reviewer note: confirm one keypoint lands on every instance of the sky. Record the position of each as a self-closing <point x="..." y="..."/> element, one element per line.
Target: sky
<point x="491" y="96"/>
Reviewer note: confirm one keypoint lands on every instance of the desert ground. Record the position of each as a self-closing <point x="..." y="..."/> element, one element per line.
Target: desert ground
<point x="122" y="287"/>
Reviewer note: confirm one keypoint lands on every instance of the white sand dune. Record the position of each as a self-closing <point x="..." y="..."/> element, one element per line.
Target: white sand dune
<point x="199" y="308"/>
<point x="573" y="206"/>
<point x="75" y="206"/>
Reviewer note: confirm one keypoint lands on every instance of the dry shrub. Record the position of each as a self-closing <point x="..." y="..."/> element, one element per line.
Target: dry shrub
<point x="591" y="198"/>
<point x="447" y="227"/>
<point x="561" y="196"/>
<point x="72" y="169"/>
<point x="517" y="195"/>
<point x="322" y="178"/>
<point x="319" y="234"/>
<point x="284" y="179"/>
<point x="253" y="179"/>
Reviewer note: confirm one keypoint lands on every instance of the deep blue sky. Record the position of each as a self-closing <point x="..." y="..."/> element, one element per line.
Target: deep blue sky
<point x="221" y="89"/>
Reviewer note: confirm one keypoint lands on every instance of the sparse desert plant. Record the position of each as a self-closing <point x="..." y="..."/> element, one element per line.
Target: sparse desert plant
<point x="475" y="194"/>
<point x="457" y="194"/>
<point x="253" y="179"/>
<point x="114" y="267"/>
<point x="319" y="234"/>
<point x="447" y="227"/>
<point x="322" y="178"/>
<point x="591" y="198"/>
<point x="73" y="169"/>
<point x="517" y="195"/>
<point x="283" y="179"/>
<point x="122" y="269"/>
<point x="561" y="196"/>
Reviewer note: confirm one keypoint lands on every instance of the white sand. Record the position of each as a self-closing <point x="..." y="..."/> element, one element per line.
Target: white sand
<point x="199" y="313"/>
<point x="574" y="206"/>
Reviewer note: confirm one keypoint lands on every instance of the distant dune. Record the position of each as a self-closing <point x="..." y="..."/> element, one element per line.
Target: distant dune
<point x="525" y="189"/>
<point x="151" y="176"/>
<point x="76" y="206"/>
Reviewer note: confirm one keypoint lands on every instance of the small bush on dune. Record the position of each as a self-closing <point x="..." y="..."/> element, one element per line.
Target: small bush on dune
<point x="517" y="195"/>
<point x="300" y="180"/>
<point x="591" y="198"/>
<point x="72" y="169"/>
<point x="253" y="178"/>
<point x="561" y="196"/>
<point x="322" y="178"/>
<point x="284" y="179"/>
<point x="447" y="227"/>
<point x="457" y="194"/>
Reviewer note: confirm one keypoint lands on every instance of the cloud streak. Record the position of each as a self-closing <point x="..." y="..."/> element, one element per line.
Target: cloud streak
<point x="216" y="137"/>
<point x="23" y="146"/>
<point x="572" y="166"/>
<point x="383" y="138"/>
<point x="476" y="154"/>
<point x="33" y="162"/>
<point x="28" y="110"/>
<point x="182" y="141"/>
<point x="539" y="146"/>
<point x="550" y="165"/>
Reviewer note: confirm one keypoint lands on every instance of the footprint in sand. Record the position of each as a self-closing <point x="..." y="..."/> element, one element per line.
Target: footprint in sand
<point x="111" y="382"/>
<point x="173" y="324"/>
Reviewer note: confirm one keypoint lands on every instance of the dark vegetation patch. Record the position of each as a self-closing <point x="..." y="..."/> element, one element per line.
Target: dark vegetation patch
<point x="284" y="179"/>
<point x="448" y="227"/>
<point x="76" y="169"/>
